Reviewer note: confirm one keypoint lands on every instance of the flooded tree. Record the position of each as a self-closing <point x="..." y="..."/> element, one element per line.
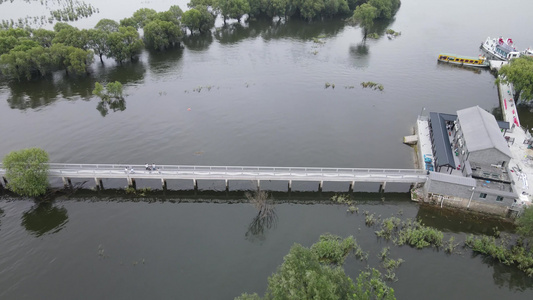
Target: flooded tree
<point x="27" y="171"/>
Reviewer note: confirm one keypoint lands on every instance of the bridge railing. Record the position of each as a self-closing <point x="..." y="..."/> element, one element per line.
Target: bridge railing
<point x="102" y="169"/>
<point x="121" y="167"/>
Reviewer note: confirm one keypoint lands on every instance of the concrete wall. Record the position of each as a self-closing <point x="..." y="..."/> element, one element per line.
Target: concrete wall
<point x="462" y="203"/>
<point x="487" y="157"/>
<point x="458" y="195"/>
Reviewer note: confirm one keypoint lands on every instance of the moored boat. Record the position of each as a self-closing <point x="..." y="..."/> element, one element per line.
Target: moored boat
<point x="500" y="48"/>
<point x="464" y="60"/>
<point x="527" y="52"/>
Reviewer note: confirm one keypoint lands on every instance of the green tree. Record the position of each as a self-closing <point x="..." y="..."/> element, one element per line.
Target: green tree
<point x="124" y="44"/>
<point x="16" y="64"/>
<point x="309" y="9"/>
<point x="198" y="19"/>
<point x="71" y="59"/>
<point x="335" y="7"/>
<point x="385" y="8"/>
<point x="160" y="35"/>
<point x="525" y="222"/>
<point x="365" y="15"/>
<point x="281" y="8"/>
<point x="143" y="16"/>
<point x="107" y="25"/>
<point x="43" y="37"/>
<point x="70" y="36"/>
<point x="233" y="9"/>
<point x="519" y="72"/>
<point x="97" y="40"/>
<point x="112" y="91"/>
<point x="191" y="19"/>
<point x="27" y="171"/>
<point x="311" y="274"/>
<point x="303" y="277"/>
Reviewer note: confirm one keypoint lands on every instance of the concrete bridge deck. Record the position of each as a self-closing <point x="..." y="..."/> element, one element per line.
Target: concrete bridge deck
<point x="227" y="173"/>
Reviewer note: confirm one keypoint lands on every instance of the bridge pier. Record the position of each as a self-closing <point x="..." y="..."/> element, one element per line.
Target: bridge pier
<point x="290" y="185"/>
<point x="350" y="188"/>
<point x="99" y="183"/>
<point x="320" y="184"/>
<point x="227" y="185"/>
<point x="382" y="187"/>
<point x="195" y="184"/>
<point x="258" y="184"/>
<point x="164" y="184"/>
<point x="67" y="183"/>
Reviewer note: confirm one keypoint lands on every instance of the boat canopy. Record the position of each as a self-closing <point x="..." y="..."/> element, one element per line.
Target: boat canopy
<point x="460" y="56"/>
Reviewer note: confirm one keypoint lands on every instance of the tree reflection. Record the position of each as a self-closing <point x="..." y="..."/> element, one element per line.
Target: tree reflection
<point x="508" y="276"/>
<point x="162" y="62"/>
<point x="236" y="32"/>
<point x="266" y="217"/>
<point x="44" y="218"/>
<point x="199" y="42"/>
<point x="46" y="90"/>
<point x="458" y="221"/>
<point x="115" y="105"/>
<point x="359" y="54"/>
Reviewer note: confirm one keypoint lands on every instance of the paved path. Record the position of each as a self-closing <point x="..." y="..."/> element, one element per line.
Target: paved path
<point x="166" y="172"/>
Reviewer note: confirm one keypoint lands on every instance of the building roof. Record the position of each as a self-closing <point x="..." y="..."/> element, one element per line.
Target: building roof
<point x="460" y="180"/>
<point x="481" y="131"/>
<point x="441" y="141"/>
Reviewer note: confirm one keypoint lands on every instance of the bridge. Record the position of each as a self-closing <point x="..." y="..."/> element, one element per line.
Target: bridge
<point x="228" y="173"/>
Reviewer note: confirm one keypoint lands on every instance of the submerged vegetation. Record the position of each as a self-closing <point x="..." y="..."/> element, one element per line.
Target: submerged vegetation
<point x="409" y="232"/>
<point x="67" y="10"/>
<point x="372" y="85"/>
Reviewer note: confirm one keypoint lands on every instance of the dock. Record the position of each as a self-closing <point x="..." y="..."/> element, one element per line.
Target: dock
<point x="230" y="173"/>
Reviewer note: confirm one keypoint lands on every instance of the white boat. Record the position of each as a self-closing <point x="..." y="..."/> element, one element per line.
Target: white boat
<point x="500" y="48"/>
<point x="527" y="52"/>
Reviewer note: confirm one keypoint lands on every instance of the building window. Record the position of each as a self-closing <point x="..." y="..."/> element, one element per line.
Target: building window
<point x="499" y="199"/>
<point x="483" y="195"/>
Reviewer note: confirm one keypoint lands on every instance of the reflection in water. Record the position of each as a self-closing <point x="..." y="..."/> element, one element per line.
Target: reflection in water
<point x="115" y="105"/>
<point x="446" y="65"/>
<point x="236" y="32"/>
<point x="199" y="42"/>
<point x="457" y="221"/>
<point x="164" y="62"/>
<point x="302" y="30"/>
<point x="359" y="53"/>
<point x="266" y="217"/>
<point x="45" y="218"/>
<point x="46" y="90"/>
<point x="508" y="276"/>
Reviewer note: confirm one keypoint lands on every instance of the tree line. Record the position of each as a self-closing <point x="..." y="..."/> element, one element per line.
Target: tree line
<point x="28" y="52"/>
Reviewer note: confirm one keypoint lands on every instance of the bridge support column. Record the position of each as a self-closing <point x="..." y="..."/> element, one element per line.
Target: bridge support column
<point x="66" y="182"/>
<point x="258" y="184"/>
<point x="227" y="185"/>
<point x="195" y="183"/>
<point x="320" y="185"/>
<point x="382" y="187"/>
<point x="290" y="185"/>
<point x="350" y="188"/>
<point x="99" y="183"/>
<point x="163" y="184"/>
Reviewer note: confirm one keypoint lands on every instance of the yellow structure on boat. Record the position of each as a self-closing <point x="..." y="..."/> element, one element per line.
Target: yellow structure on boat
<point x="480" y="61"/>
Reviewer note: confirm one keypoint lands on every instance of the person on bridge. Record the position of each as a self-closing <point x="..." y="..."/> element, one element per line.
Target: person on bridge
<point x="147" y="167"/>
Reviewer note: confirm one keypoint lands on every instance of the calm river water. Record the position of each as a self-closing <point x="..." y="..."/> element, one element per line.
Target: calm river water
<point x="247" y="95"/>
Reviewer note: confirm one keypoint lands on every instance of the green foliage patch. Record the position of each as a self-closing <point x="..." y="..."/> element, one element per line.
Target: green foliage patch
<point x="27" y="171"/>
